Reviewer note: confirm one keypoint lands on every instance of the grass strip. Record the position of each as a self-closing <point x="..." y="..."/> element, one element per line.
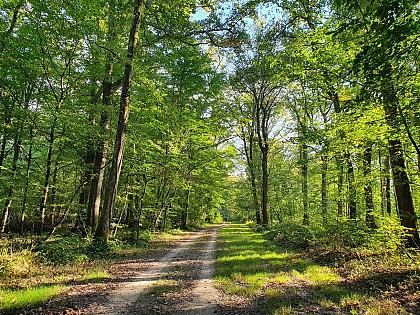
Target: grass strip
<point x="279" y="281"/>
<point x="19" y="299"/>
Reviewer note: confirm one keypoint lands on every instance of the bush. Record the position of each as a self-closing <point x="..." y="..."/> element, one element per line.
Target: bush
<point x="389" y="236"/>
<point x="15" y="263"/>
<point x="342" y="233"/>
<point x="64" y="250"/>
<point x="292" y="235"/>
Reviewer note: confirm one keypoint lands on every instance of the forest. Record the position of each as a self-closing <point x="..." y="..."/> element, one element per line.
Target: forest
<point x="120" y="119"/>
<point x="164" y="115"/>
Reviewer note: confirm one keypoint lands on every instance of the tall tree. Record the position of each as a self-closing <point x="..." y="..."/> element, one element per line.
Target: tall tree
<point x="103" y="230"/>
<point x="386" y="27"/>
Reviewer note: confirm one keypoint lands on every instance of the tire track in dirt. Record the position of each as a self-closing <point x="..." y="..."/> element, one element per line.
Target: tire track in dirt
<point x="189" y="268"/>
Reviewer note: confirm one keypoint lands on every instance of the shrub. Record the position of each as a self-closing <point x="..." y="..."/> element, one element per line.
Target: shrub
<point x="64" y="250"/>
<point x="292" y="235"/>
<point x="389" y="235"/>
<point x="15" y="263"/>
<point x="342" y="233"/>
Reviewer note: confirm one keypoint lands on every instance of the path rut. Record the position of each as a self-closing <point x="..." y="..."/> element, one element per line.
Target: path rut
<point x="180" y="283"/>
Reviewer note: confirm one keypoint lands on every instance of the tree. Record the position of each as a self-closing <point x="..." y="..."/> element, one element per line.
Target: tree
<point x="386" y="28"/>
<point x="103" y="230"/>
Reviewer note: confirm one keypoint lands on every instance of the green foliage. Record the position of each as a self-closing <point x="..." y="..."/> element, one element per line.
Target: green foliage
<point x="65" y="250"/>
<point x="15" y="263"/>
<point x="292" y="236"/>
<point x="389" y="236"/>
<point x="342" y="233"/>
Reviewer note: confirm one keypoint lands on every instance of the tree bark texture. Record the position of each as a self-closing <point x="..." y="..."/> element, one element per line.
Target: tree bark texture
<point x="103" y="230"/>
<point x="404" y="197"/>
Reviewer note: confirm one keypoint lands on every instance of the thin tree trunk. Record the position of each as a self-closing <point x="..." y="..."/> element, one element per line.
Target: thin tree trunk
<point x="405" y="202"/>
<point x="262" y="133"/>
<point x="324" y="187"/>
<point x="249" y="153"/>
<point x="257" y="209"/>
<point x="388" y="186"/>
<point x="53" y="197"/>
<point x="304" y="170"/>
<point x="367" y="161"/>
<point x="264" y="205"/>
<point x="351" y="188"/>
<point x="103" y="230"/>
<point x="46" y="187"/>
<point x="340" y="181"/>
<point x="89" y="160"/>
<point x="11" y="189"/>
<point x="3" y="150"/>
<point x="28" y="170"/>
<point x="184" y="216"/>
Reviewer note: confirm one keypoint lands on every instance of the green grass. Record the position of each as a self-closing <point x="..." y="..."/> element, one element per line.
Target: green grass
<point x="285" y="282"/>
<point x="19" y="299"/>
<point x="252" y="266"/>
<point x="96" y="276"/>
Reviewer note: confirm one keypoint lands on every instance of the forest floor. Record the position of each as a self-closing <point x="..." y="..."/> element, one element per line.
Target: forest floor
<point x="177" y="280"/>
<point x="253" y="277"/>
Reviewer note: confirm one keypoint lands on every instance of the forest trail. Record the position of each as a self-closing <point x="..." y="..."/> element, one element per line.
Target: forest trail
<point x="179" y="283"/>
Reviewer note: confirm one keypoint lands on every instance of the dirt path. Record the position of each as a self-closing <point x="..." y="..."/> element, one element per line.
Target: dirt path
<point x="179" y="283"/>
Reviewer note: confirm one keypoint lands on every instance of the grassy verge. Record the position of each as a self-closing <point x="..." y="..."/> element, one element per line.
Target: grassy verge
<point x="280" y="281"/>
<point x="22" y="298"/>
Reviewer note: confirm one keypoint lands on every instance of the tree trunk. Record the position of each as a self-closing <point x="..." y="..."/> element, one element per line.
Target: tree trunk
<point x="352" y="213"/>
<point x="89" y="161"/>
<point x="304" y="170"/>
<point x="262" y="116"/>
<point x="257" y="208"/>
<point x="249" y="153"/>
<point x="98" y="167"/>
<point x="11" y="189"/>
<point x="53" y="197"/>
<point x="367" y="161"/>
<point x="184" y="216"/>
<point x="3" y="150"/>
<point x="403" y="192"/>
<point x="324" y="187"/>
<point x="405" y="202"/>
<point x="264" y="197"/>
<point x="388" y="186"/>
<point x="27" y="173"/>
<point x="101" y="150"/>
<point x="103" y="230"/>
<point x="340" y="181"/>
<point x="46" y="187"/>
